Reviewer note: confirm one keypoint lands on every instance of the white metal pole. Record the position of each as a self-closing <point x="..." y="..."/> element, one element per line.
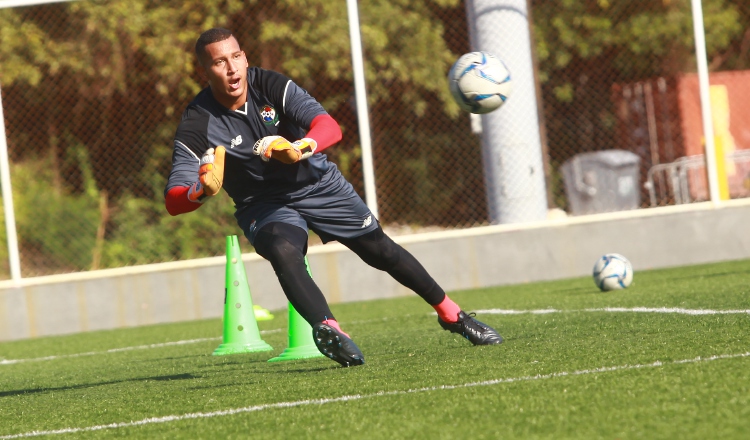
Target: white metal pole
<point x="703" y="86"/>
<point x="16" y="3"/>
<point x="10" y="217"/>
<point x="511" y="136"/>
<point x="363" y="116"/>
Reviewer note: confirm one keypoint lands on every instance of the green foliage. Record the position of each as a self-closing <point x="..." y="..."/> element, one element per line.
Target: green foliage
<point x="584" y="48"/>
<point x="345" y="159"/>
<point x="128" y="69"/>
<point x="117" y="50"/>
<point x="138" y="230"/>
<point x="635" y="33"/>
<point x="112" y="32"/>
<point x="23" y="59"/>
<point x="143" y="232"/>
<point x="429" y="188"/>
<point x="403" y="43"/>
<point x="419" y="180"/>
<point x="51" y="220"/>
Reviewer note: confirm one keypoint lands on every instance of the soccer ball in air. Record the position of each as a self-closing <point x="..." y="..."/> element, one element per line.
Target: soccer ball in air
<point x="613" y="272"/>
<point x="479" y="82"/>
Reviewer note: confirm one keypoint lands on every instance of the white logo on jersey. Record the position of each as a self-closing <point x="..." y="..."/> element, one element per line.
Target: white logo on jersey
<point x="367" y="222"/>
<point x="236" y="141"/>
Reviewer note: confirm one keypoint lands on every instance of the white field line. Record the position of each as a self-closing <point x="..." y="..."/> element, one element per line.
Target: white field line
<point x="673" y="310"/>
<point x="291" y="404"/>
<point x="481" y="312"/>
<point x="144" y="347"/>
<point x="117" y="350"/>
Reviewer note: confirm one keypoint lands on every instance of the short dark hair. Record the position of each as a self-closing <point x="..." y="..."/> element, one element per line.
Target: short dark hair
<point x="210" y="36"/>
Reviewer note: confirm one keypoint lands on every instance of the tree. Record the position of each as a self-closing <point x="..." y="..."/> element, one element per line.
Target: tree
<point x="585" y="47"/>
<point x="112" y="76"/>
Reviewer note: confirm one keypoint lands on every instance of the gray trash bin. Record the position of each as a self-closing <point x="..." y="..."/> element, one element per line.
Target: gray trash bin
<point x="602" y="181"/>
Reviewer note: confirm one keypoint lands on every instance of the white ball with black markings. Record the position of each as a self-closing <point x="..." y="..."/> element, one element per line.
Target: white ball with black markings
<point x="613" y="272"/>
<point x="480" y="82"/>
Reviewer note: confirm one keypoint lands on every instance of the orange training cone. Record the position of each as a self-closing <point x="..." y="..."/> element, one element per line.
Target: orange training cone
<point x="241" y="334"/>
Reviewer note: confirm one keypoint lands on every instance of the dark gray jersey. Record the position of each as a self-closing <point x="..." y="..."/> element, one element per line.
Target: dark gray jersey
<point x="275" y="106"/>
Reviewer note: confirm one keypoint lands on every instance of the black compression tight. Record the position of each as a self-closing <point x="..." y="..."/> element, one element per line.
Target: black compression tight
<point x="379" y="251"/>
<point x="285" y="246"/>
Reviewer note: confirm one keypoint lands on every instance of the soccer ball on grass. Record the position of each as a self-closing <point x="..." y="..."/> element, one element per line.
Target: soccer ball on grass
<point x="613" y="272"/>
<point x="479" y="82"/>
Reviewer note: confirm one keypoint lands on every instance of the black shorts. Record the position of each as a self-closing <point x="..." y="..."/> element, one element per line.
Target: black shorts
<point x="330" y="207"/>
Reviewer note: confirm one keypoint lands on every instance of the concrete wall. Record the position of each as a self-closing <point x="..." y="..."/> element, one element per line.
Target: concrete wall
<point x="477" y="257"/>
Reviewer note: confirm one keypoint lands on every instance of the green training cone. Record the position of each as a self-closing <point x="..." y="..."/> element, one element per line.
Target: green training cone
<point x="301" y="344"/>
<point x="241" y="334"/>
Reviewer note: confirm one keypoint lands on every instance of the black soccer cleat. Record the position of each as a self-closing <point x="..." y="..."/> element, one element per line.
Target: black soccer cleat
<point x="337" y="346"/>
<point x="478" y="333"/>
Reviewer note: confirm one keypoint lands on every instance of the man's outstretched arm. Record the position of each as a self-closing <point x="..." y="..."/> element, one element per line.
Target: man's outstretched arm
<point x="181" y="199"/>
<point x="324" y="132"/>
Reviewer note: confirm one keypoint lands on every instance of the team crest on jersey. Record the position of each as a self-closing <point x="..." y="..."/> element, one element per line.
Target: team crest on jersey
<point x="269" y="115"/>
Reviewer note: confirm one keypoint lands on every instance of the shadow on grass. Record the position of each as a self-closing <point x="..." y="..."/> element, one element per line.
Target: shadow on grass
<point x="185" y="376"/>
<point x="265" y="368"/>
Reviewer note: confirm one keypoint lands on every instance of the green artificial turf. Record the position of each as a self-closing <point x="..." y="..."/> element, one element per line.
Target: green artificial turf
<point x="572" y="372"/>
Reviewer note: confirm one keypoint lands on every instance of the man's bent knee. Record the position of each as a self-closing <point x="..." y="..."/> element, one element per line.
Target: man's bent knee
<point x="279" y="242"/>
<point x="376" y="249"/>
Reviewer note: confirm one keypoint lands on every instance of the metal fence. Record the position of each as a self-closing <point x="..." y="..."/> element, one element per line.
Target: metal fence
<point x="92" y="93"/>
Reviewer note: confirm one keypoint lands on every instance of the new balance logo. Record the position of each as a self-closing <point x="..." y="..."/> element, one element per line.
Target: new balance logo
<point x="367" y="222"/>
<point x="236" y="141"/>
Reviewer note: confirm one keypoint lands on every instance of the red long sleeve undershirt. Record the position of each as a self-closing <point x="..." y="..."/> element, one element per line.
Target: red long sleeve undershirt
<point x="323" y="128"/>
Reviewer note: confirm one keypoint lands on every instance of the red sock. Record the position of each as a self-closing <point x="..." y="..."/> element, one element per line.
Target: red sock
<point x="448" y="310"/>
<point x="333" y="323"/>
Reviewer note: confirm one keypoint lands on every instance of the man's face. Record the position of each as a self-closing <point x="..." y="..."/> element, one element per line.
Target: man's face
<point x="226" y="66"/>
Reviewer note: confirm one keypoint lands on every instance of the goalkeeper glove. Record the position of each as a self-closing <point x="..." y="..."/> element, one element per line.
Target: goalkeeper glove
<point x="195" y="193"/>
<point x="211" y="171"/>
<point x="278" y="148"/>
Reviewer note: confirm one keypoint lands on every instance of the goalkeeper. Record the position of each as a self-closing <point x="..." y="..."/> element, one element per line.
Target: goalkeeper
<point x="260" y="137"/>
